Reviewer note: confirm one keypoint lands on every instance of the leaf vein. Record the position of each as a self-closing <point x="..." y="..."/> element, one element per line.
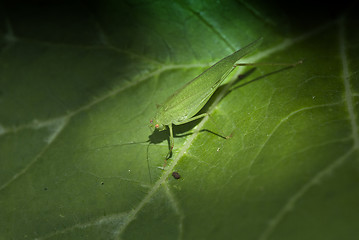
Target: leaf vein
<point x="57" y="126"/>
<point x="283" y="120"/>
<point x="346" y="80"/>
<point x="97" y="222"/>
<point x="192" y="137"/>
<point x="289" y="205"/>
<point x="208" y="24"/>
<point x="177" y="209"/>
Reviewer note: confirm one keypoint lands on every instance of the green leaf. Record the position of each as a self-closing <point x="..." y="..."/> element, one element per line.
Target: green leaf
<point x="80" y="82"/>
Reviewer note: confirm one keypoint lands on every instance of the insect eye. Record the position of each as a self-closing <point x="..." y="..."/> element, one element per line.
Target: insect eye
<point x="157" y="126"/>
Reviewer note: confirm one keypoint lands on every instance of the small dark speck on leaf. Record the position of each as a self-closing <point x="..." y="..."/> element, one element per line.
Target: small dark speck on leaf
<point x="102" y="183"/>
<point x="176" y="175"/>
<point x="45" y="188"/>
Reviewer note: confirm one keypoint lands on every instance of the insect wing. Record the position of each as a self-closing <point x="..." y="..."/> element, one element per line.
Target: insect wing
<point x="189" y="99"/>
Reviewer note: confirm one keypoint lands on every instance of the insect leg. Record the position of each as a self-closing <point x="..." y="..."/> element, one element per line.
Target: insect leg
<point x="172" y="143"/>
<point x="194" y="118"/>
<point x="148" y="163"/>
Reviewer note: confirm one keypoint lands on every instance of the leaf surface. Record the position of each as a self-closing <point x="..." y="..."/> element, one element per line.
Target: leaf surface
<point x="77" y="91"/>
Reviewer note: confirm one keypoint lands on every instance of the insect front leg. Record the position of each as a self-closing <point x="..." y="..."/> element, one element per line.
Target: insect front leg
<point x="172" y="143"/>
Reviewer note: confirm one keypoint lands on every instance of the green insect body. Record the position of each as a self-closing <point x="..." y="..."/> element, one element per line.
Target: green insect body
<point x="187" y="101"/>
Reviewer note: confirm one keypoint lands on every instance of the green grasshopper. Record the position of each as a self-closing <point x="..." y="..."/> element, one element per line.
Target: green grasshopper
<point x="186" y="102"/>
